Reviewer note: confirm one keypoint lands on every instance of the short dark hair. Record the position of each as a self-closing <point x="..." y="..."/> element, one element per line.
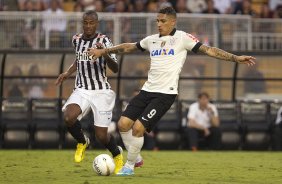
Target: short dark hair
<point x="91" y="13"/>
<point x="168" y="11"/>
<point x="200" y="95"/>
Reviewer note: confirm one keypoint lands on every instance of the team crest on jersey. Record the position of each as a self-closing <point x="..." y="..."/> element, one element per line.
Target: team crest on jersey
<point x="172" y="41"/>
<point x="163" y="43"/>
<point x="162" y="52"/>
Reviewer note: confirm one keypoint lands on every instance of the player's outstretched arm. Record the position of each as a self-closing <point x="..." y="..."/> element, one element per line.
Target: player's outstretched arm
<point x="66" y="74"/>
<point x="221" y="54"/>
<point x="118" y="49"/>
<point x="111" y="63"/>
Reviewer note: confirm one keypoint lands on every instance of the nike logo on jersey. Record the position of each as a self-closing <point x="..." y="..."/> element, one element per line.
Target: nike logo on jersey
<point x="161" y="52"/>
<point x="144" y="118"/>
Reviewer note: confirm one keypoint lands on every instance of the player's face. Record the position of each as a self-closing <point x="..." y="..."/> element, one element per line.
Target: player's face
<point x="165" y="23"/>
<point x="89" y="25"/>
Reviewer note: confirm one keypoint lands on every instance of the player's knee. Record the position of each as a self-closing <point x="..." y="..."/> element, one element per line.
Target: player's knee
<point x="123" y="125"/>
<point x="69" y="120"/>
<point x="102" y="138"/>
<point x="137" y="132"/>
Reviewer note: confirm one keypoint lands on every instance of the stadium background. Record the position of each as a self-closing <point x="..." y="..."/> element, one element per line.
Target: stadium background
<point x="31" y="103"/>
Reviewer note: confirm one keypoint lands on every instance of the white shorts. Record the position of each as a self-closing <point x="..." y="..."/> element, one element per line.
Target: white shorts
<point x="101" y="102"/>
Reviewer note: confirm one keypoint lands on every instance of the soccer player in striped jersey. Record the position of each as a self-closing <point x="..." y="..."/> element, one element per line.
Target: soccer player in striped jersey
<point x="92" y="90"/>
<point x="168" y="52"/>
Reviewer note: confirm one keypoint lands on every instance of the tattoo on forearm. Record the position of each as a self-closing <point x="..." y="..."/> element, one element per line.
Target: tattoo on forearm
<point x="122" y="48"/>
<point x="218" y="53"/>
<point x="115" y="50"/>
<point x="221" y="54"/>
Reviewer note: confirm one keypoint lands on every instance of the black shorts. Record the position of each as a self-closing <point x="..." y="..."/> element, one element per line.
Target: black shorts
<point x="148" y="108"/>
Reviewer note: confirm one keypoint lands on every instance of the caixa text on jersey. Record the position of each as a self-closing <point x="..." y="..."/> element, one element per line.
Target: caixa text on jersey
<point x="161" y="52"/>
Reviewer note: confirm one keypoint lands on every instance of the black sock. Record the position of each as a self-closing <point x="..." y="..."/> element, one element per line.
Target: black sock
<point x="76" y="131"/>
<point x="112" y="146"/>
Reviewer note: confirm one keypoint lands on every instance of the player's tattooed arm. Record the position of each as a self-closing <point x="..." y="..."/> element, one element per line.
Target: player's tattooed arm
<point x="118" y="49"/>
<point x="111" y="63"/>
<point x="122" y="48"/>
<point x="217" y="53"/>
<point x="223" y="55"/>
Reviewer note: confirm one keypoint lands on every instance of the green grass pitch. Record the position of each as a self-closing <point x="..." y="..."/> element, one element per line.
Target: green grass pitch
<point x="161" y="167"/>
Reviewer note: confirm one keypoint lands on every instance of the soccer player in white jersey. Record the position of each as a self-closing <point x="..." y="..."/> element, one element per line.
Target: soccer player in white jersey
<point x="92" y="90"/>
<point x="168" y="51"/>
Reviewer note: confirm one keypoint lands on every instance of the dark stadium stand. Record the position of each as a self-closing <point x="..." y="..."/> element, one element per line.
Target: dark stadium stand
<point x="16" y="123"/>
<point x="256" y="125"/>
<point x="38" y="124"/>
<point x="46" y="123"/>
<point x="274" y="107"/>
<point x="230" y="127"/>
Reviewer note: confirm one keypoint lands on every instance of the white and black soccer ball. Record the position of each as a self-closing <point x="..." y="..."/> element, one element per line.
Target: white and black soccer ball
<point x="103" y="165"/>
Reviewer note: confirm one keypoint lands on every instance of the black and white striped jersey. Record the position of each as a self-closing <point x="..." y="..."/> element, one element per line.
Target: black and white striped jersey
<point x="91" y="76"/>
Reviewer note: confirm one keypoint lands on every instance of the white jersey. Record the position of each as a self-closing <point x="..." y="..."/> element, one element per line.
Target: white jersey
<point x="201" y="116"/>
<point x="168" y="54"/>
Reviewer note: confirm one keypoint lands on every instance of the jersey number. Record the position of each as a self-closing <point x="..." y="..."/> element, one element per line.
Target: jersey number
<point x="151" y="113"/>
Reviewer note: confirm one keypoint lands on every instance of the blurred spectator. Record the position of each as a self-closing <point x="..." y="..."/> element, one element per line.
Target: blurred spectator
<point x="87" y="4"/>
<point x="77" y="7"/>
<point x="35" y="86"/>
<point x="245" y="8"/>
<point x="181" y="7"/>
<point x="55" y="24"/>
<point x="99" y="6"/>
<point x="120" y="7"/>
<point x="196" y="6"/>
<point x="273" y="4"/>
<point x="15" y="85"/>
<point x="110" y="5"/>
<point x="278" y="12"/>
<point x="210" y="8"/>
<point x="277" y="132"/>
<point x="48" y="3"/>
<point x="203" y="122"/>
<point x="163" y="3"/>
<point x="139" y="6"/>
<point x="3" y="6"/>
<point x="254" y="86"/>
<point x="223" y="6"/>
<point x="29" y="26"/>
<point x="266" y="26"/>
<point x="265" y="11"/>
<point x="152" y="7"/>
<point x="37" y="5"/>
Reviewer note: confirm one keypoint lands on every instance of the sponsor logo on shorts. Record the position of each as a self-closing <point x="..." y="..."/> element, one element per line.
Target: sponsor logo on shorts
<point x="105" y="112"/>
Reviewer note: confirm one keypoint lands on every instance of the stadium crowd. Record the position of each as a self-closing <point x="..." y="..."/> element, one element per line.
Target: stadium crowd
<point x="255" y="8"/>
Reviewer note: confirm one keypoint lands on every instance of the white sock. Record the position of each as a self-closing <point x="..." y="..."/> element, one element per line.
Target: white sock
<point x="127" y="138"/>
<point x="134" y="150"/>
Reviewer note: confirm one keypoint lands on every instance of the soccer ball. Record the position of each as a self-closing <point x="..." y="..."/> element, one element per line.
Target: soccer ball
<point x="104" y="165"/>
